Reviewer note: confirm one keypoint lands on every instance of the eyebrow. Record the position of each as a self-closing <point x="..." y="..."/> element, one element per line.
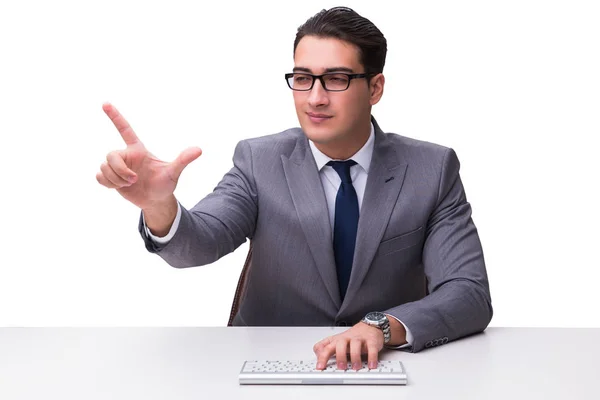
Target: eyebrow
<point x="327" y="70"/>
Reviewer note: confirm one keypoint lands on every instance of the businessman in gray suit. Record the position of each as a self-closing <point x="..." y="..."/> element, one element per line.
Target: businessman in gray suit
<point x="350" y="225"/>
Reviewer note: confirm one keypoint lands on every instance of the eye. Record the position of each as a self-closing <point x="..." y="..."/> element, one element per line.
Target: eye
<point x="337" y="78"/>
<point x="302" y="78"/>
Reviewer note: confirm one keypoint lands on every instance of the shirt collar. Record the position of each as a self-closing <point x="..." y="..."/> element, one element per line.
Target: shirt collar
<point x="362" y="156"/>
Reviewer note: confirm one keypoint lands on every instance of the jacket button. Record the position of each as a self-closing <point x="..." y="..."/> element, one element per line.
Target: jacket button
<point x="445" y="340"/>
<point x="428" y="344"/>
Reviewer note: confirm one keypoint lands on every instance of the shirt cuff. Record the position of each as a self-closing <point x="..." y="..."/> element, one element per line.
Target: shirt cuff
<point x="409" y="336"/>
<point x="164" y="239"/>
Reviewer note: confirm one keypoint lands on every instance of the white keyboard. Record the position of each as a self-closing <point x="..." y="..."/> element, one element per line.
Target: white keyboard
<point x="304" y="373"/>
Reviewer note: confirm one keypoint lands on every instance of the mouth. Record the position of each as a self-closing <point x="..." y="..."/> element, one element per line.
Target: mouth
<point x="318" y="118"/>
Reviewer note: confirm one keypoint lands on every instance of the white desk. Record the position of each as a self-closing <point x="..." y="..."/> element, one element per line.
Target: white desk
<point x="203" y="363"/>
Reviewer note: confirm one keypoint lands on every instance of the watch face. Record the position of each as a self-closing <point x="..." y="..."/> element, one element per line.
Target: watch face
<point x="375" y="316"/>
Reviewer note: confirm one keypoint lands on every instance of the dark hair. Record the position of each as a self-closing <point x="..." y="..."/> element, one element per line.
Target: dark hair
<point x="346" y="24"/>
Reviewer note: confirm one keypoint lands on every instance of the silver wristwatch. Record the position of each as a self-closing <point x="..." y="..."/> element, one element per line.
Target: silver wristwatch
<point x="379" y="320"/>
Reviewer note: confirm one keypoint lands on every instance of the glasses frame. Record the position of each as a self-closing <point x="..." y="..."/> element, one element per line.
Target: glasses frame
<point x="320" y="78"/>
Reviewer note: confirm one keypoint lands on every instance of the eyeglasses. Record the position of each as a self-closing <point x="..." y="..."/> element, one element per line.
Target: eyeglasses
<point x="332" y="82"/>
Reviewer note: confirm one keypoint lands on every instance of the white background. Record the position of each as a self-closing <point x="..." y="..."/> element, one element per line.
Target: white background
<point x="512" y="86"/>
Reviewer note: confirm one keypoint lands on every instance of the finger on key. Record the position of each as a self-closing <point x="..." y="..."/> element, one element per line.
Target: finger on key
<point x="372" y="353"/>
<point x="116" y="162"/>
<point x="355" y="347"/>
<point x="341" y="348"/>
<point x="324" y="354"/>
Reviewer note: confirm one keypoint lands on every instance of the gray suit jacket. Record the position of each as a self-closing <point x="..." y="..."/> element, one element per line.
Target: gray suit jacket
<point x="418" y="255"/>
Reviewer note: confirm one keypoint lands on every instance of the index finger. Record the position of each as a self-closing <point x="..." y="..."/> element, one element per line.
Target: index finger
<point x="324" y="350"/>
<point x="121" y="124"/>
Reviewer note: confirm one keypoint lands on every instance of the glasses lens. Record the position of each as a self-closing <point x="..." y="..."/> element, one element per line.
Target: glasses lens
<point x="300" y="81"/>
<point x="336" y="81"/>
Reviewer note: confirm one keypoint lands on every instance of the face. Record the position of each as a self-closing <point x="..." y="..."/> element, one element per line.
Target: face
<point x="336" y="121"/>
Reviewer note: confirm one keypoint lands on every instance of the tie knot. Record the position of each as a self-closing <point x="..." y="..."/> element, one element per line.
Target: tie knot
<point x="343" y="169"/>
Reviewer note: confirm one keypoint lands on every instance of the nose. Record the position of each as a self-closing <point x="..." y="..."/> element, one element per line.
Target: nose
<point x="318" y="95"/>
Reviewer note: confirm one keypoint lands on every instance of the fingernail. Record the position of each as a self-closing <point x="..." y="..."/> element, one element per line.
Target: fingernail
<point x="320" y="365"/>
<point x="356" y="365"/>
<point x="341" y="365"/>
<point x="131" y="179"/>
<point x="372" y="365"/>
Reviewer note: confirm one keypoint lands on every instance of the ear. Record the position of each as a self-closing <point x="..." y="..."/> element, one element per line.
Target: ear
<point x="376" y="88"/>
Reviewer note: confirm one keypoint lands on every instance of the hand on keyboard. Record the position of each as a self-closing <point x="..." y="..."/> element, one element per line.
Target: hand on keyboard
<point x="358" y="340"/>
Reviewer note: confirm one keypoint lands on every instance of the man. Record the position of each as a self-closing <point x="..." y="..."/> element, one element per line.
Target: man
<point x="349" y="225"/>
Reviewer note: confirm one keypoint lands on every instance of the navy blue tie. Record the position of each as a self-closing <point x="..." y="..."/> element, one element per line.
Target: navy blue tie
<point x="345" y="225"/>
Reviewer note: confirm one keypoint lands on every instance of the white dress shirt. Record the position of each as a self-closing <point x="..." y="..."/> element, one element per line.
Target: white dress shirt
<point x="331" y="182"/>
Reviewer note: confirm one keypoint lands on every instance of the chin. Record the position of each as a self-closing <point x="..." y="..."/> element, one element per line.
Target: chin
<point x="320" y="135"/>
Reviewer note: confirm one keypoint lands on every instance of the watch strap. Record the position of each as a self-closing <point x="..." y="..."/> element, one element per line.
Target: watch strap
<point x="384" y="327"/>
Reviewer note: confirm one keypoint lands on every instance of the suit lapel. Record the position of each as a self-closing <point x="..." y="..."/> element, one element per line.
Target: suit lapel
<point x="311" y="206"/>
<point x="385" y="179"/>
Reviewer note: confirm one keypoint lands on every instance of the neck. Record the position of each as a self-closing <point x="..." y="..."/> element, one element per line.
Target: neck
<point x="346" y="148"/>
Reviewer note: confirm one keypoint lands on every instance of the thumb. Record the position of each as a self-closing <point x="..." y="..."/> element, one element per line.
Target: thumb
<point x="182" y="161"/>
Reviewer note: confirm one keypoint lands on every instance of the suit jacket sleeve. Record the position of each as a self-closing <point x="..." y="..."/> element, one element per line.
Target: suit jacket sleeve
<point x="459" y="302"/>
<point x="218" y="224"/>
